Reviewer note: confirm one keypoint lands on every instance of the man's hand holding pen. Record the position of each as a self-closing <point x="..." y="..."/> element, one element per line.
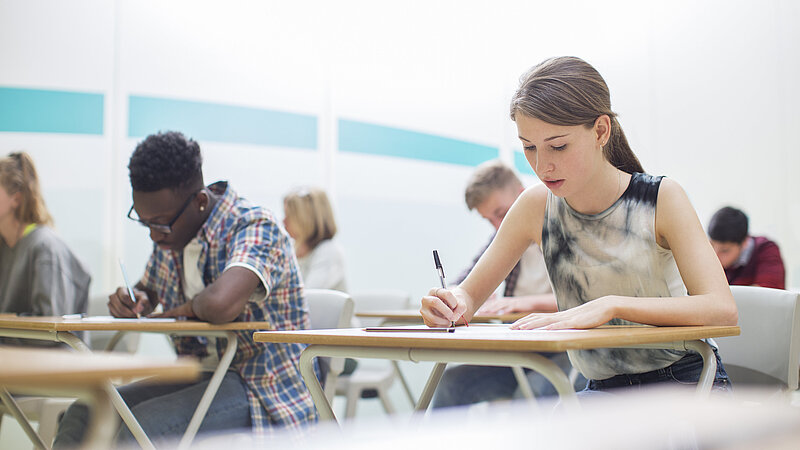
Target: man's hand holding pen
<point x="120" y="303"/>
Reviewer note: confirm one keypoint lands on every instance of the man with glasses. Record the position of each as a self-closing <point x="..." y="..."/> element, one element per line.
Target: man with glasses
<point x="219" y="259"/>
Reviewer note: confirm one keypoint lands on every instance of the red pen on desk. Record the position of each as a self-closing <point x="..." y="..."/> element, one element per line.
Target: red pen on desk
<point x="440" y="269"/>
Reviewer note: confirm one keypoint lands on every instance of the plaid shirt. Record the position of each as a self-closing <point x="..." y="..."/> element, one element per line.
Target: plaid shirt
<point x="511" y="279"/>
<point x="237" y="233"/>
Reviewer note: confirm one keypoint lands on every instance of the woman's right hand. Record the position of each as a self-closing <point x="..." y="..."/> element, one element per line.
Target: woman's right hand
<point x="121" y="305"/>
<point x="442" y="306"/>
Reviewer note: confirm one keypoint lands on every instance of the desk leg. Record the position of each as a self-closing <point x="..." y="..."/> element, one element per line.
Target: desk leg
<point x="306" y="364"/>
<point x="430" y="386"/>
<point x="211" y="390"/>
<point x="403" y="381"/>
<point x="534" y="361"/>
<point x="116" y="399"/>
<point x="522" y="382"/>
<point x="112" y="343"/>
<point x="103" y="424"/>
<point x="23" y="421"/>
<point x="709" y="373"/>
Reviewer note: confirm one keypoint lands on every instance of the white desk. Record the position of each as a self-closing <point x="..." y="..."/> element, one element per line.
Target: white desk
<point x="490" y="345"/>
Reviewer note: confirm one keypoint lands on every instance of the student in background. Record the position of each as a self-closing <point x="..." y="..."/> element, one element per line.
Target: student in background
<point x="491" y="190"/>
<point x="613" y="237"/>
<point x="308" y="218"/>
<point x="747" y="260"/>
<point x="39" y="274"/>
<point x="216" y="258"/>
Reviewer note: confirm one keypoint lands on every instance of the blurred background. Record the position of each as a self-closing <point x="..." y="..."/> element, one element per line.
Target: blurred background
<point x="389" y="106"/>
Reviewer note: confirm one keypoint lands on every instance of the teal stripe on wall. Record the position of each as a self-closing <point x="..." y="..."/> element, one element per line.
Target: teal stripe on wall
<point x="360" y="137"/>
<point x="221" y="123"/>
<point x="522" y="164"/>
<point x="46" y="111"/>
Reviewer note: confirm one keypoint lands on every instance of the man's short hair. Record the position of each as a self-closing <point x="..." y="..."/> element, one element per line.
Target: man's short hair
<point x="166" y="160"/>
<point x="728" y="225"/>
<point x="487" y="178"/>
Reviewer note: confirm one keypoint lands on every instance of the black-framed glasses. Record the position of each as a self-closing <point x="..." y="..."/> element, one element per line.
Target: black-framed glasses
<point x="161" y="227"/>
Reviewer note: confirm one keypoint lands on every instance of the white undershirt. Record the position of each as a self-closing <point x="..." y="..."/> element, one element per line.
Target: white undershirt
<point x="192" y="285"/>
<point x="533" y="279"/>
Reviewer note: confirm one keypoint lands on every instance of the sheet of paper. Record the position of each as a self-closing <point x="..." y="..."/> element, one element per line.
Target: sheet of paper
<point x="120" y="319"/>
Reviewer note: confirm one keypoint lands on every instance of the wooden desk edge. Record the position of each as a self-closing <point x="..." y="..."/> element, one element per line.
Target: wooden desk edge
<point x="444" y="341"/>
<point x="60" y="324"/>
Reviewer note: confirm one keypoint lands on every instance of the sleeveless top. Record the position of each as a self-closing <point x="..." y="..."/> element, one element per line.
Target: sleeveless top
<point x="611" y="253"/>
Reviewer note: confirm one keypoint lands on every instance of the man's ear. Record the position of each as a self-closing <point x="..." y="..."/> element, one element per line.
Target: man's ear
<point x="202" y="200"/>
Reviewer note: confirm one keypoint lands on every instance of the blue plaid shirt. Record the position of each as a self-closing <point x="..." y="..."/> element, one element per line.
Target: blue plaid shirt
<point x="237" y="233"/>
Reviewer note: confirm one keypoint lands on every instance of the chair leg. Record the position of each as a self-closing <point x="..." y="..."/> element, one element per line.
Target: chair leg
<point x="387" y="404"/>
<point x="353" y="395"/>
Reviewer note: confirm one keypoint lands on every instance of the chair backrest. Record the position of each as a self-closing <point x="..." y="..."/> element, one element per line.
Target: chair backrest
<point x="768" y="349"/>
<point x="329" y="309"/>
<point x="379" y="300"/>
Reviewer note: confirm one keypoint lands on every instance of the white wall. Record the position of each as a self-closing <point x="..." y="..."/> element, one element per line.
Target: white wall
<point x="705" y="91"/>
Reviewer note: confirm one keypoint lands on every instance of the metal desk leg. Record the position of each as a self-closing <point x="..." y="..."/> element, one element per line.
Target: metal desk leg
<point x="709" y="373"/>
<point x="112" y="343"/>
<point x="522" y="382"/>
<point x="116" y="399"/>
<point x="306" y="364"/>
<point x="430" y="386"/>
<point x="211" y="391"/>
<point x="403" y="381"/>
<point x="103" y="422"/>
<point x="539" y="363"/>
<point x="23" y="421"/>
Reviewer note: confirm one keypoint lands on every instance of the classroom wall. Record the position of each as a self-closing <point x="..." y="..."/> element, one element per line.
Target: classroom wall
<point x="389" y="107"/>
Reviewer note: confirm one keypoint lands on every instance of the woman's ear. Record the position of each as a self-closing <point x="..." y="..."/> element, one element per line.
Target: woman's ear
<point x="16" y="199"/>
<point x="602" y="128"/>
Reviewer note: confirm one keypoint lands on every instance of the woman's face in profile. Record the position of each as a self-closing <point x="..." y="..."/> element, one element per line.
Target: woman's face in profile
<point x="288" y="224"/>
<point x="8" y="203"/>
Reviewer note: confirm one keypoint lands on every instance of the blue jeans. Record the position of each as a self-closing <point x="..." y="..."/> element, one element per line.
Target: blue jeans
<point x="685" y="371"/>
<point x="164" y="410"/>
<point x="467" y="384"/>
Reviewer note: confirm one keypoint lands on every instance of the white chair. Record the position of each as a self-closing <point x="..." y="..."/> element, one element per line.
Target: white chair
<point x="329" y="309"/>
<point x="768" y="348"/>
<point x="378" y="379"/>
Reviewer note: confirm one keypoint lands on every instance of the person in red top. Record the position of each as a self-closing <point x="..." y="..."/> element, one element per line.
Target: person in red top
<point x="747" y="260"/>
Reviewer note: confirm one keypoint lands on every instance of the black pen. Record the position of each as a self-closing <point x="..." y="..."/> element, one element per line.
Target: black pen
<point x="440" y="269"/>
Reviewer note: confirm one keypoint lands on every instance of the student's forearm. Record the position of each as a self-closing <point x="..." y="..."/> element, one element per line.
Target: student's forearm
<point x="674" y="311"/>
<point x="224" y="300"/>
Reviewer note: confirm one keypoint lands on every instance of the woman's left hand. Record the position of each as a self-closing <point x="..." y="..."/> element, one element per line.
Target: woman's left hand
<point x="589" y="315"/>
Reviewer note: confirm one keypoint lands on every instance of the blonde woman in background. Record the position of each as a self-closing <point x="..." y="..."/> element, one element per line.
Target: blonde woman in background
<point x="309" y="221"/>
<point x="39" y="275"/>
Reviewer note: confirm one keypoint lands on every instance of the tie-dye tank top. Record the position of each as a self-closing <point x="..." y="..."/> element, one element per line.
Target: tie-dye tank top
<point x="613" y="252"/>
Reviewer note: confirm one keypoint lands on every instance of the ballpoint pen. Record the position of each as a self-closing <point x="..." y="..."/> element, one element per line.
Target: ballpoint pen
<point x="438" y="263"/>
<point x="127" y="285"/>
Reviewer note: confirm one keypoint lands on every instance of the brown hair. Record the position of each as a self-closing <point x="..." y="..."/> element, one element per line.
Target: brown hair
<point x="18" y="174"/>
<point x="489" y="177"/>
<point x="568" y="91"/>
<point x="311" y="211"/>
